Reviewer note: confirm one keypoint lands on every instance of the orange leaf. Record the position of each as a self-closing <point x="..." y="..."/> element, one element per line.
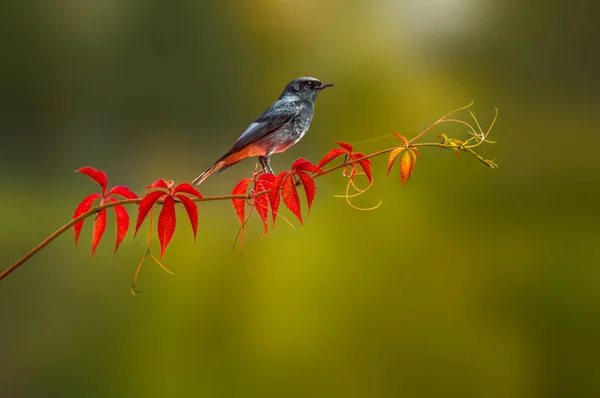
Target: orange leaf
<point x="405" y="166"/>
<point x="416" y="150"/>
<point x="413" y="160"/>
<point x="402" y="138"/>
<point x="393" y="155"/>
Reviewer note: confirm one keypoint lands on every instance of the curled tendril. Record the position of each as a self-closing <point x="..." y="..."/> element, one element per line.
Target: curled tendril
<point x="351" y="171"/>
<point x="478" y="135"/>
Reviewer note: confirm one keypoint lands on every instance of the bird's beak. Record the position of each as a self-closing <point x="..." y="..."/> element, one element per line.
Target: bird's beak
<point x="325" y="85"/>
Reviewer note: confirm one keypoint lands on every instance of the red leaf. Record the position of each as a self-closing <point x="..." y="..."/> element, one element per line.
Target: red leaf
<point x="365" y="164"/>
<point x="261" y="203"/>
<point x="393" y="155"/>
<point x="186" y="187"/>
<point x="331" y="155"/>
<point x="309" y="187"/>
<point x="166" y="224"/>
<point x="240" y="204"/>
<point x="99" y="228"/>
<point x="145" y="206"/>
<point x="290" y="197"/>
<point x="265" y="180"/>
<point x="192" y="212"/>
<point x="346" y="146"/>
<point x="264" y="183"/>
<point x="122" y="191"/>
<point x="84" y="206"/>
<point x="160" y="184"/>
<point x="275" y="195"/>
<point x="122" y="222"/>
<point x="304" y="165"/>
<point x="96" y="175"/>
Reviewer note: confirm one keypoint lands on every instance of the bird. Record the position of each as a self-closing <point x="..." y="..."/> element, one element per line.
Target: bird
<point x="281" y="126"/>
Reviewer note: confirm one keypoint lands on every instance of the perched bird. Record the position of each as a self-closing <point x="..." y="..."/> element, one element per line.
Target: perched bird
<point x="282" y="125"/>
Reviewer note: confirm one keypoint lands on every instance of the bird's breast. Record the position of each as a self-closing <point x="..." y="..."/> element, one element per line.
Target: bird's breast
<point x="289" y="134"/>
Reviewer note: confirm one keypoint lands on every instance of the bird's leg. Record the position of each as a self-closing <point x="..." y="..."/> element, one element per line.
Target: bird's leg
<point x="265" y="163"/>
<point x="265" y="168"/>
<point x="268" y="163"/>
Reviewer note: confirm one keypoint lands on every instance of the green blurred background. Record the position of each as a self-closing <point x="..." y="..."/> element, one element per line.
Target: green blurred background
<point x="467" y="282"/>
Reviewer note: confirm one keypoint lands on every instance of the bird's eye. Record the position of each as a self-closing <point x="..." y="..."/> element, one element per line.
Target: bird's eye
<point x="308" y="84"/>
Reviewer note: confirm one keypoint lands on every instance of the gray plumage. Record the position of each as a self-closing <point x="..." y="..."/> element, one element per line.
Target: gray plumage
<point x="281" y="126"/>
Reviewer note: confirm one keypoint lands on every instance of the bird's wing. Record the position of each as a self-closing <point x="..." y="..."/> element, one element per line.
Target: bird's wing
<point x="271" y="120"/>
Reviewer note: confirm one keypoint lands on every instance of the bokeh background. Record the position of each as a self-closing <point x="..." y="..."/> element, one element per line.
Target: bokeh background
<point x="466" y="282"/>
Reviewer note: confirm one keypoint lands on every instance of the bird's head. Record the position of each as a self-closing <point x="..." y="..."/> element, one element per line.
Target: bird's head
<point x="305" y="88"/>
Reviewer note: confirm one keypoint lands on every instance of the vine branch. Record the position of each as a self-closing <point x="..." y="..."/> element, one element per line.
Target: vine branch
<point x="477" y="137"/>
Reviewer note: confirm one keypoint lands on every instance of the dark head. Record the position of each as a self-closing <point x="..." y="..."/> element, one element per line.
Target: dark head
<point x="305" y="88"/>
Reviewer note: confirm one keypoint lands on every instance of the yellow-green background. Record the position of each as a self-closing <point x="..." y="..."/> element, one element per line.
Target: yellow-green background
<point x="466" y="282"/>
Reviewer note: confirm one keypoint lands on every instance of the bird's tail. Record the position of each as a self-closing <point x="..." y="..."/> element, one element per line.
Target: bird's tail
<point x="200" y="179"/>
